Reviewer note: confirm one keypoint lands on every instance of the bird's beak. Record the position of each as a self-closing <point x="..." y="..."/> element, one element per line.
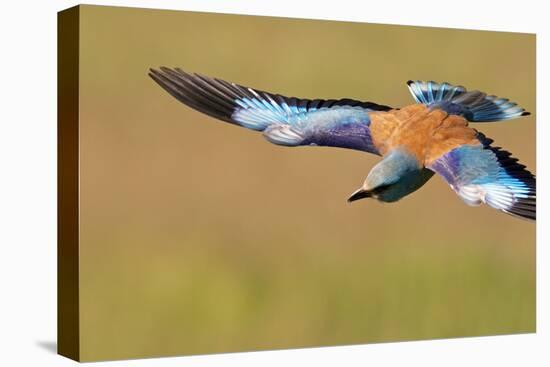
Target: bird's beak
<point x="359" y="194"/>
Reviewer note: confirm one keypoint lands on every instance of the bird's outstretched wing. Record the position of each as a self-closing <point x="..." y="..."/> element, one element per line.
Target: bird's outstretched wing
<point x="474" y="105"/>
<point x="285" y="121"/>
<point x="486" y="174"/>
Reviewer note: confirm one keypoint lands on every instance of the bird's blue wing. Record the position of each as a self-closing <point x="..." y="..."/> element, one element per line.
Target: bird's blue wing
<point x="285" y="121"/>
<point x="474" y="106"/>
<point x="485" y="174"/>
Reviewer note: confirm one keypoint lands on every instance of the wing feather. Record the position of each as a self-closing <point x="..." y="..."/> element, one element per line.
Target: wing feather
<point x="474" y="105"/>
<point x="485" y="174"/>
<point x="288" y="121"/>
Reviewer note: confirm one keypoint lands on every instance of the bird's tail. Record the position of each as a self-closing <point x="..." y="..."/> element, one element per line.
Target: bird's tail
<point x="474" y="105"/>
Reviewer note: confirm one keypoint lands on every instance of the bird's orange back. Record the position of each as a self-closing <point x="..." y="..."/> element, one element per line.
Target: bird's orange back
<point x="425" y="133"/>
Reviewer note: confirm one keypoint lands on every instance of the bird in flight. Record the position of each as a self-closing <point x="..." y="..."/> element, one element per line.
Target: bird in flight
<point x="431" y="136"/>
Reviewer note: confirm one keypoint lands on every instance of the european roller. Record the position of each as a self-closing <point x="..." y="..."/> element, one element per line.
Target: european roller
<point x="415" y="142"/>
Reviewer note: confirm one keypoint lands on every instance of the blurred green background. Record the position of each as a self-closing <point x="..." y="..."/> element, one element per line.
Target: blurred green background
<point x="200" y="237"/>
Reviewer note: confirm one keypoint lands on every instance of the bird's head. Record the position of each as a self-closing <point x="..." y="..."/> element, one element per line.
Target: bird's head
<point x="397" y="175"/>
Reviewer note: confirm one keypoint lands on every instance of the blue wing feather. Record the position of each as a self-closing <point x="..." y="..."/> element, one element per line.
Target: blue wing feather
<point x="486" y="174"/>
<point x="475" y="106"/>
<point x="288" y="121"/>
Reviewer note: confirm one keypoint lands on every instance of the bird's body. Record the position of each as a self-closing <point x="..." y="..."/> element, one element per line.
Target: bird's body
<point x="416" y="141"/>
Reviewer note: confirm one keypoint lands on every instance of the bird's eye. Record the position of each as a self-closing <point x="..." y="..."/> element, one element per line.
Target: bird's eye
<point x="380" y="189"/>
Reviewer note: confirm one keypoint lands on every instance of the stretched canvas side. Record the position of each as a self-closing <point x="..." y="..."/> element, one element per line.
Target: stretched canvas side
<point x="67" y="181"/>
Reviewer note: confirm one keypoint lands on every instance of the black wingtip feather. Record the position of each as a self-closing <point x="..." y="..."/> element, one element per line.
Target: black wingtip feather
<point x="189" y="94"/>
<point x="529" y="214"/>
<point x="218" y="98"/>
<point x="524" y="207"/>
